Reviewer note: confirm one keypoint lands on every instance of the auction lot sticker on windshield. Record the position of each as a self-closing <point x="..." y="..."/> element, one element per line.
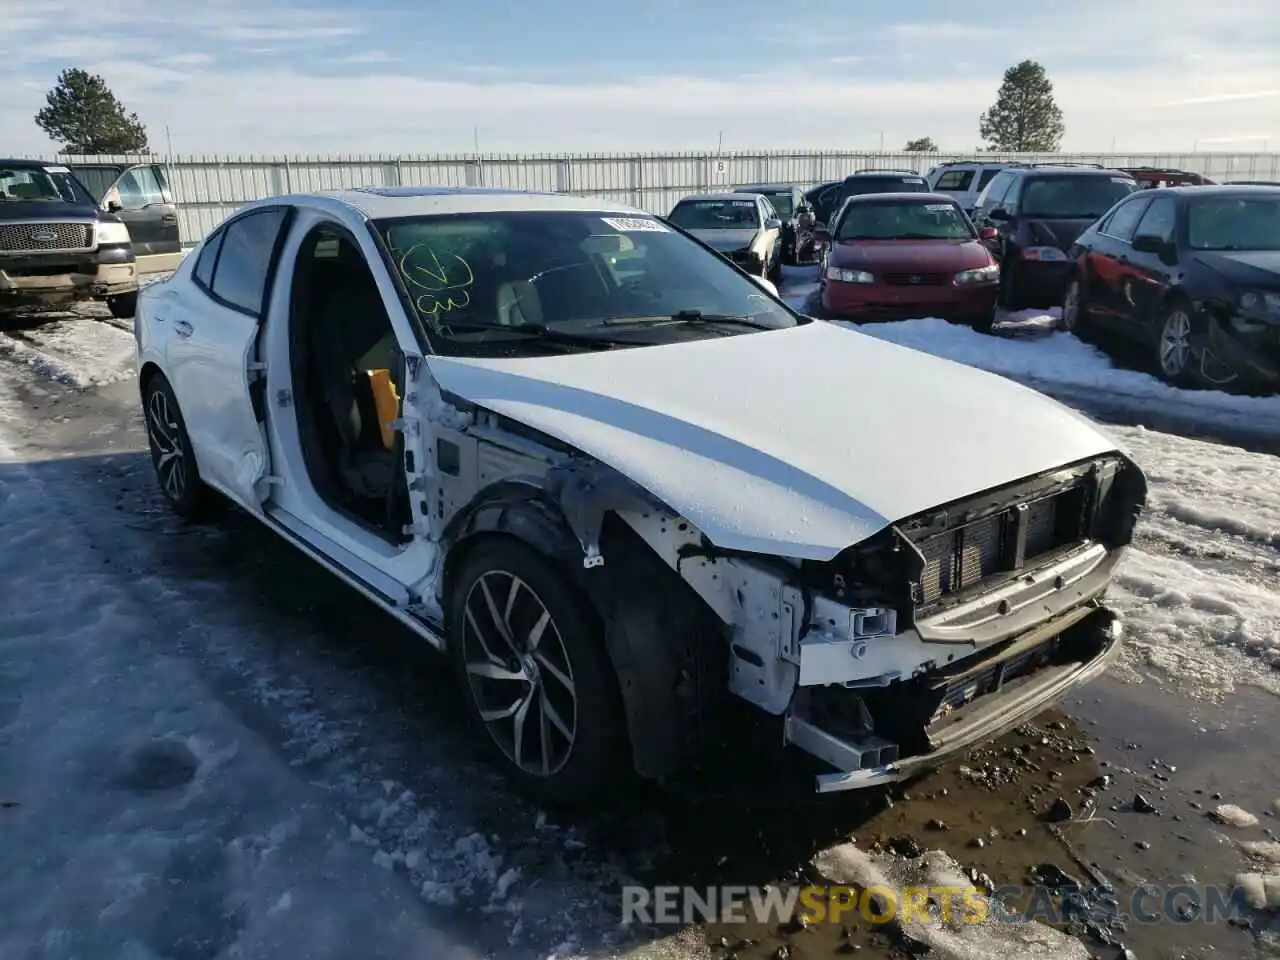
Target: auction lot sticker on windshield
<point x="912" y="180"/>
<point x="57" y="169"/>
<point x="937" y="207"/>
<point x="635" y="225"/>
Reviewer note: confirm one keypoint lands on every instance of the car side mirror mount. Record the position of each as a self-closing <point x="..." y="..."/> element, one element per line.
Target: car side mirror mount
<point x="766" y="283"/>
<point x="114" y="206"/>
<point x="999" y="213"/>
<point x="1149" y="243"/>
<point x="987" y="234"/>
<point x="773" y="223"/>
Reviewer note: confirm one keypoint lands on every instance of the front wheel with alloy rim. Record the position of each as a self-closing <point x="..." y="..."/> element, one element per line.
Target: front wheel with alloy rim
<point x="536" y="679"/>
<point x="171" y="453"/>
<point x="1175" y="356"/>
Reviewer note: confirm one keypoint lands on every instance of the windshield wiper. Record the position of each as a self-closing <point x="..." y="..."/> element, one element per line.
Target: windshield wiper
<point x="697" y="316"/>
<point x="539" y="331"/>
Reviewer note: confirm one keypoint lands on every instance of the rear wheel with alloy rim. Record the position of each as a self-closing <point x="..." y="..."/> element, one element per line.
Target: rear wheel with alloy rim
<point x="171" y="454"/>
<point x="1175" y="356"/>
<point x="536" y="679"/>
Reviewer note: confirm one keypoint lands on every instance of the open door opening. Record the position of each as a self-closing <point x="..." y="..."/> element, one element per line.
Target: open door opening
<point x="348" y="378"/>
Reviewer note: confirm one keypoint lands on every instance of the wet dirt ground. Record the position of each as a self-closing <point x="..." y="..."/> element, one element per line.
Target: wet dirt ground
<point x="750" y="819"/>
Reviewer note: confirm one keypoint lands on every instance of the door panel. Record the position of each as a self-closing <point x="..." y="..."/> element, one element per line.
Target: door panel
<point x="148" y="213"/>
<point x="214" y="356"/>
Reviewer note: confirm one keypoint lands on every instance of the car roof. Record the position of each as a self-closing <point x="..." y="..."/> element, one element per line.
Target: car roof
<point x="1220" y="190"/>
<point x="915" y="196"/>
<point x="770" y="187"/>
<point x="1049" y="170"/>
<point x="723" y="195"/>
<point x="882" y="174"/>
<point x="377" y="203"/>
<point x="28" y="164"/>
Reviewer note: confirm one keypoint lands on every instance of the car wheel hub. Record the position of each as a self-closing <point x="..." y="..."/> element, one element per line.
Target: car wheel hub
<point x="166" y="446"/>
<point x="1175" y="343"/>
<point x="519" y="674"/>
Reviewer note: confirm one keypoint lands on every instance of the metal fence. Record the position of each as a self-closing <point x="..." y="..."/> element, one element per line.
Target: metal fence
<point x="209" y="188"/>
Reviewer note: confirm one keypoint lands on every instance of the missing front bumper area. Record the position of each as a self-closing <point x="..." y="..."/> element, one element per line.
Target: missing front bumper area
<point x="904" y="729"/>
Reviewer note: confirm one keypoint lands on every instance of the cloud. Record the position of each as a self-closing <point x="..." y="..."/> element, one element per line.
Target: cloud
<point x="229" y="78"/>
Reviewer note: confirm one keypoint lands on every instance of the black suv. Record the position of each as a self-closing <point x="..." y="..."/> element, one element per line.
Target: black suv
<point x="1036" y="214"/>
<point x="828" y="198"/>
<point x="57" y="246"/>
<point x="796" y="214"/>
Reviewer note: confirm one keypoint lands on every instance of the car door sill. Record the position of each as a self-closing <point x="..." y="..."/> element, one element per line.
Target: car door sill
<point x="386" y="592"/>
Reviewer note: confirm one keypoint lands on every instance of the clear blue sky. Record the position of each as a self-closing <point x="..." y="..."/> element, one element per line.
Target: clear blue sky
<point x="390" y="75"/>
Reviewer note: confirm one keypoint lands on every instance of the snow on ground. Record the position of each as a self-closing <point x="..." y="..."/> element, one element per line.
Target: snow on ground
<point x="79" y="349"/>
<point x="1028" y="349"/>
<point x="1199" y="589"/>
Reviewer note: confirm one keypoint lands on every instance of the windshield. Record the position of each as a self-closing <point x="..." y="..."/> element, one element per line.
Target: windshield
<point x="716" y="215"/>
<point x="481" y="282"/>
<point x="1073" y="198"/>
<point x="904" y="221"/>
<point x="48" y="184"/>
<point x="1234" y="223"/>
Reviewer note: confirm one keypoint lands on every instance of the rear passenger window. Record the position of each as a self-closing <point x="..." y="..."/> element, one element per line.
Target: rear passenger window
<point x="986" y="176"/>
<point x="954" y="180"/>
<point x="1121" y="223"/>
<point x="247" y="246"/>
<point x="208" y="257"/>
<point x="1158" y="221"/>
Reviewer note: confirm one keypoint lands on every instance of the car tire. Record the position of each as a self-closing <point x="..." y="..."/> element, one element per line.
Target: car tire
<point x="172" y="456"/>
<point x="1175" y="357"/>
<point x="1009" y="297"/>
<point x="985" y="323"/>
<point x="123" y="305"/>
<point x="524" y="642"/>
<point x="1075" y="309"/>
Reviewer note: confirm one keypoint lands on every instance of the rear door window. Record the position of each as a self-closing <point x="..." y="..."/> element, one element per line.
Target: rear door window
<point x="1120" y="225"/>
<point x="248" y="245"/>
<point x="954" y="180"/>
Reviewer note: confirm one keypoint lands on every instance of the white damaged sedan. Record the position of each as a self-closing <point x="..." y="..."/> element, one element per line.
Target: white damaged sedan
<point x="618" y="481"/>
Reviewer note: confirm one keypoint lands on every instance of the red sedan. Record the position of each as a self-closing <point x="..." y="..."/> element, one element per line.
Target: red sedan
<point x="900" y="255"/>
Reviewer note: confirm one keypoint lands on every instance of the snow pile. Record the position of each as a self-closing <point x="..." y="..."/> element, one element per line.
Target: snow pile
<point x="956" y="937"/>
<point x="79" y="351"/>
<point x="1198" y="589"/>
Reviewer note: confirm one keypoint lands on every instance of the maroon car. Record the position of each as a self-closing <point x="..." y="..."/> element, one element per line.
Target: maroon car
<point x="900" y="255"/>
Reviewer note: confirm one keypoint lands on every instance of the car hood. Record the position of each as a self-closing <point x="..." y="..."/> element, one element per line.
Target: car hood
<point x="797" y="442"/>
<point x="1060" y="233"/>
<point x="1244" y="266"/>
<point x="725" y="240"/>
<point x="908" y="255"/>
<point x="49" y="210"/>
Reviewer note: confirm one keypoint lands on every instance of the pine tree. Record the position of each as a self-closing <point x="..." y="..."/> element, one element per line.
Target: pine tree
<point x="1024" y="118"/>
<point x="84" y="115"/>
<point x="921" y="145"/>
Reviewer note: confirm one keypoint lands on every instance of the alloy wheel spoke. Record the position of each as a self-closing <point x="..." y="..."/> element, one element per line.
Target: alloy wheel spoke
<point x="539" y="628"/>
<point x="507" y="712"/>
<point x="480" y="637"/>
<point x="555" y="671"/>
<point x="503" y="627"/>
<point x="552" y="715"/>
<point x="517" y="727"/>
<point x="494" y="671"/>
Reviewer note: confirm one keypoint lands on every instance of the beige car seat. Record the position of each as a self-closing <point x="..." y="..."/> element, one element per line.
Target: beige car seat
<point x="518" y="304"/>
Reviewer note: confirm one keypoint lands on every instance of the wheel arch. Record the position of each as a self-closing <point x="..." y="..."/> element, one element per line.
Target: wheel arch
<point x="654" y="625"/>
<point x="150" y="370"/>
